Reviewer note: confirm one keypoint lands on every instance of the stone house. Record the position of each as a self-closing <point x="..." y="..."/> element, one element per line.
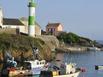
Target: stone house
<point x="54" y="28"/>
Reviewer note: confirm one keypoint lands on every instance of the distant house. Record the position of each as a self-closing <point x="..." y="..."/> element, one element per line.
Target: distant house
<point x="54" y="28"/>
<point x="13" y="23"/>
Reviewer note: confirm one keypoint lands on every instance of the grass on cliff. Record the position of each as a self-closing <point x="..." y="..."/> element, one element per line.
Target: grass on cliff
<point x="19" y="45"/>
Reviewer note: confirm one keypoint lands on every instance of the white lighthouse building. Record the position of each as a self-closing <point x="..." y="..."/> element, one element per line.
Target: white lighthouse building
<point x="31" y="18"/>
<point x="1" y="16"/>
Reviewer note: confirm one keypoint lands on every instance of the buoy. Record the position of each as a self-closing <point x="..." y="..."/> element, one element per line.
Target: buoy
<point x="83" y="69"/>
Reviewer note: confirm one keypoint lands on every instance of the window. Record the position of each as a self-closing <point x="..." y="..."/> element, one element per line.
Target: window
<point x="48" y="29"/>
<point x="0" y="26"/>
<point x="54" y="30"/>
<point x="37" y="63"/>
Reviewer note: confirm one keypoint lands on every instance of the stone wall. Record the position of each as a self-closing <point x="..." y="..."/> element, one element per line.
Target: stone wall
<point x="51" y="41"/>
<point x="8" y="31"/>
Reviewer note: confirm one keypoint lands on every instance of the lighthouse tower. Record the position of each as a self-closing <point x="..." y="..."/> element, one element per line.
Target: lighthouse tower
<point x="1" y="16"/>
<point x="31" y="18"/>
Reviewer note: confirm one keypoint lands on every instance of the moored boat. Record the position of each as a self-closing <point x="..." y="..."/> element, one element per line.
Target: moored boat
<point x="69" y="71"/>
<point x="76" y="74"/>
<point x="94" y="49"/>
<point x="32" y="68"/>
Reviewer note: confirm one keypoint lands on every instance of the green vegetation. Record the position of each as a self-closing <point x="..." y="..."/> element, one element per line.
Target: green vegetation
<point x="68" y="37"/>
<point x="20" y="45"/>
<point x="73" y="39"/>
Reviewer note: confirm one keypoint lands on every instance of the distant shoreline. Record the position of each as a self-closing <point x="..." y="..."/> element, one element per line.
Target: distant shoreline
<point x="77" y="49"/>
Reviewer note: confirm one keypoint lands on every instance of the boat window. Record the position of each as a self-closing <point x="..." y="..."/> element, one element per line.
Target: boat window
<point x="27" y="65"/>
<point x="42" y="62"/>
<point x="37" y="63"/>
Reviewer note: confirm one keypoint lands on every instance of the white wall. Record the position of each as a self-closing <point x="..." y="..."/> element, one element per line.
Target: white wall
<point x="21" y="27"/>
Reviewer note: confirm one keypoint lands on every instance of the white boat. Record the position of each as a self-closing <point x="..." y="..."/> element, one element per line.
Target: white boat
<point x="32" y="68"/>
<point x="76" y="74"/>
<point x="36" y="66"/>
<point x="94" y="49"/>
<point x="70" y="71"/>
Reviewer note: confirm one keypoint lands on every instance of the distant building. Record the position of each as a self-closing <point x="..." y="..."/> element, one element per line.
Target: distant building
<point x="54" y="28"/>
<point x="13" y="23"/>
<point x="20" y="24"/>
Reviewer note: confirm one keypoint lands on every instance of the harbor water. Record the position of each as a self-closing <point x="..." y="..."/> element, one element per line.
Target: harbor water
<point x="88" y="61"/>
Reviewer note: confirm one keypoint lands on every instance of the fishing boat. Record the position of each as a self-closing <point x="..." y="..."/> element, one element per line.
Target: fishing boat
<point x="36" y="66"/>
<point x="68" y="70"/>
<point x="94" y="49"/>
<point x="10" y="66"/>
<point x="32" y="67"/>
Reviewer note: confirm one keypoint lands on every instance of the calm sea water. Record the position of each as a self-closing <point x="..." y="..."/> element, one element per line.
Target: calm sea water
<point x="88" y="61"/>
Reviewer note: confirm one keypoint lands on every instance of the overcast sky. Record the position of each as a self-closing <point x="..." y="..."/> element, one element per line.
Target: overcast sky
<point x="83" y="17"/>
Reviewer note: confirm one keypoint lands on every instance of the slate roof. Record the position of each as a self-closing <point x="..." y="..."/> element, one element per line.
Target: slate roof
<point x="12" y="21"/>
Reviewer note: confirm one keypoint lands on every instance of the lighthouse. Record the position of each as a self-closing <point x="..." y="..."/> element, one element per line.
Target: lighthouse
<point x="31" y="18"/>
<point x="1" y="17"/>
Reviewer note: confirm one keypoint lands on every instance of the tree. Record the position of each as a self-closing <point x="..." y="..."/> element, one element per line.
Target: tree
<point x="68" y="37"/>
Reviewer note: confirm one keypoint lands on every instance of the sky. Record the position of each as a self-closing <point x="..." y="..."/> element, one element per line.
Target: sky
<point x="83" y="17"/>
